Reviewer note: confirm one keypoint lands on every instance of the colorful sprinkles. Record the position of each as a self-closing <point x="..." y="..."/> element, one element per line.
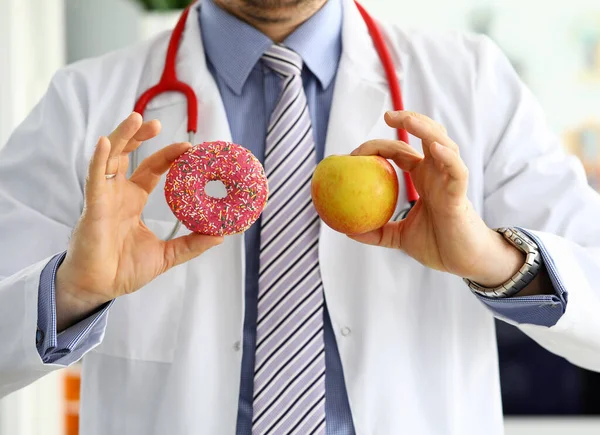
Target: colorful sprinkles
<point x="237" y="168"/>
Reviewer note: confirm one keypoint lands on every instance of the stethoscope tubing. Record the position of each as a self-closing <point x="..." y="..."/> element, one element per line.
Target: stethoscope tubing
<point x="169" y="82"/>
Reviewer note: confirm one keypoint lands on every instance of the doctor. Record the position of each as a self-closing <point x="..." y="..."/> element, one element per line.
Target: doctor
<point x="176" y="337"/>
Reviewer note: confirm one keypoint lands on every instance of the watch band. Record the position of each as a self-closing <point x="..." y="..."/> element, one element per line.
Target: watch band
<point x="526" y="273"/>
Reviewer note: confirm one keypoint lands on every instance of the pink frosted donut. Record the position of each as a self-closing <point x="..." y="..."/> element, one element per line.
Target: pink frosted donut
<point x="233" y="165"/>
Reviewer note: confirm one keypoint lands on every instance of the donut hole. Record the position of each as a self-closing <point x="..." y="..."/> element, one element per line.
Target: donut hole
<point x="215" y="189"/>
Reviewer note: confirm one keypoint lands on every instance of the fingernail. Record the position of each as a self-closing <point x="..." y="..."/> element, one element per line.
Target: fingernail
<point x="392" y="114"/>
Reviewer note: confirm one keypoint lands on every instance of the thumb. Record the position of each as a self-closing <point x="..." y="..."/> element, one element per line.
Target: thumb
<point x="186" y="248"/>
<point x="388" y="236"/>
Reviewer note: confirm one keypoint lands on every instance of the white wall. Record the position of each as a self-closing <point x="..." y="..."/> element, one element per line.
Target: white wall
<point x="32" y="47"/>
<point x="97" y="26"/>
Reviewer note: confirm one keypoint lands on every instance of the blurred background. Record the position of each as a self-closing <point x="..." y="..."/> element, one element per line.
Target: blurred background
<point x="555" y="49"/>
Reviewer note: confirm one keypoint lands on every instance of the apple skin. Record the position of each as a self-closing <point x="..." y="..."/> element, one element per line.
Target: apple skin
<point x="354" y="194"/>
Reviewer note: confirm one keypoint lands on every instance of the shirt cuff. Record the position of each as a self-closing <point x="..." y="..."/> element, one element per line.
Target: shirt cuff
<point x="542" y="310"/>
<point x="50" y="345"/>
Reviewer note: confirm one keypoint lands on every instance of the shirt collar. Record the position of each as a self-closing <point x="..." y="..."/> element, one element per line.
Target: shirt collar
<point x="233" y="47"/>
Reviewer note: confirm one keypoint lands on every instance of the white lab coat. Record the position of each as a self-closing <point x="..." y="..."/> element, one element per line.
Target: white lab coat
<point x="417" y="348"/>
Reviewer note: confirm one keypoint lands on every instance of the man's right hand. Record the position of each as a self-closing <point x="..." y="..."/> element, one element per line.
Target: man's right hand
<point x="112" y="252"/>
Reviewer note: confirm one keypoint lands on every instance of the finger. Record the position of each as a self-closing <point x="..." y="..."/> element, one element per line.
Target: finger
<point x="397" y="119"/>
<point x="450" y="161"/>
<point x="119" y="139"/>
<point x="147" y="131"/>
<point x="405" y="156"/>
<point x="185" y="248"/>
<point x="388" y="236"/>
<point x="422" y="127"/>
<point x="148" y="174"/>
<point x="96" y="179"/>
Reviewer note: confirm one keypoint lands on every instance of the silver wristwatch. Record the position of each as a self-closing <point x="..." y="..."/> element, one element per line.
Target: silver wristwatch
<point x="524" y="276"/>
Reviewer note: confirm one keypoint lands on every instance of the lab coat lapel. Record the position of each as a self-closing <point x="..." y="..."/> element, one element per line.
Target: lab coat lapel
<point x="191" y="69"/>
<point x="361" y="94"/>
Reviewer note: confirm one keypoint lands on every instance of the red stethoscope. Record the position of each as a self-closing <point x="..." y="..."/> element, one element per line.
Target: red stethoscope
<point x="170" y="83"/>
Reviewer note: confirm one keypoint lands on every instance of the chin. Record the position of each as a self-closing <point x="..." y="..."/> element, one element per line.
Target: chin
<point x="272" y="12"/>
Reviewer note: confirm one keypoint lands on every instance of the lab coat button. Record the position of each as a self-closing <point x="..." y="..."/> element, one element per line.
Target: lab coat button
<point x="237" y="345"/>
<point x="346" y="331"/>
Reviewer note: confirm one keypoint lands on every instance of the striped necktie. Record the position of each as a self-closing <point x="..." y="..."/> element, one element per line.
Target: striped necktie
<point x="289" y="372"/>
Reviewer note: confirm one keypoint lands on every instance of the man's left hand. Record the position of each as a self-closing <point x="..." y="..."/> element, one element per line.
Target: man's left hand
<point x="442" y="231"/>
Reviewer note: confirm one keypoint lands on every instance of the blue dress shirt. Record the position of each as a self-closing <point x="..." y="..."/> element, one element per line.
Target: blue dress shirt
<point x="250" y="91"/>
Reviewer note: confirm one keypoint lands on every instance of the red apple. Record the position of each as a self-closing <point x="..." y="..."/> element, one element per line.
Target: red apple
<point x="354" y="194"/>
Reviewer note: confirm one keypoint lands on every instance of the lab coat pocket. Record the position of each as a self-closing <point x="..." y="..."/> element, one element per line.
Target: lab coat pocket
<point x="145" y="325"/>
